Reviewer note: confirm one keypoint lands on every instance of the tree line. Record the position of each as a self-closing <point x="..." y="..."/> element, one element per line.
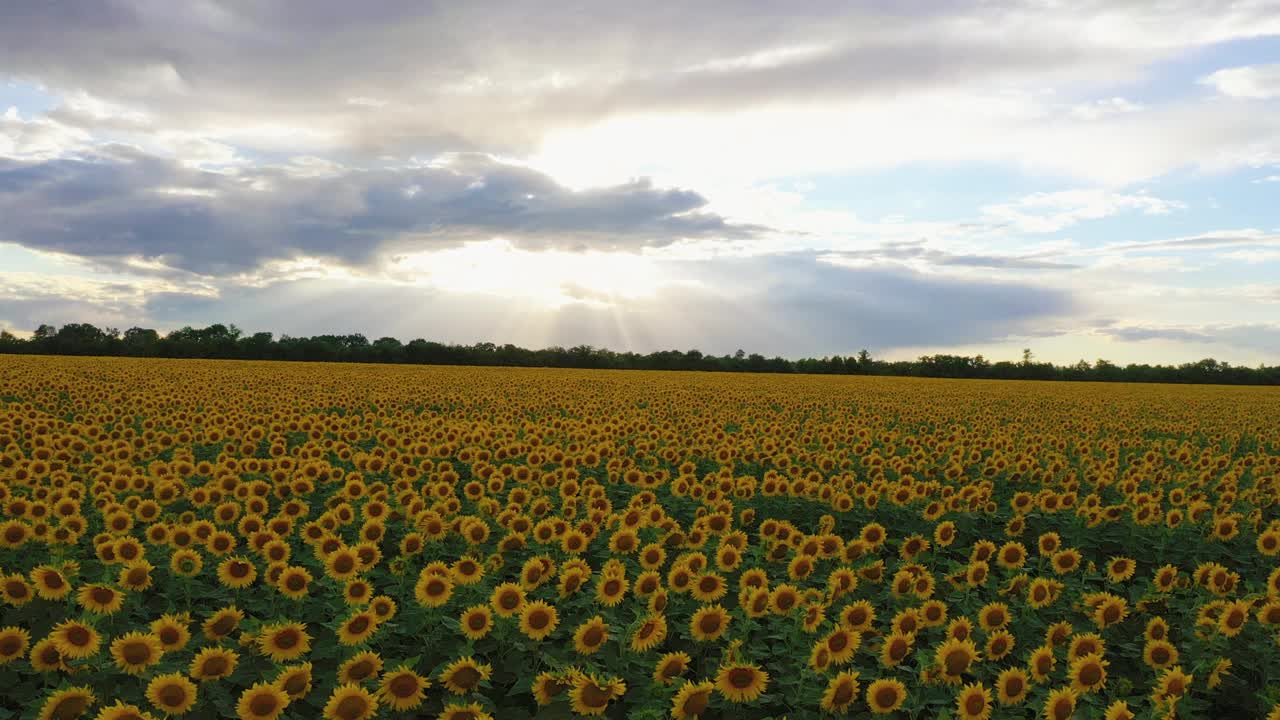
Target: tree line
<point x="228" y="342"/>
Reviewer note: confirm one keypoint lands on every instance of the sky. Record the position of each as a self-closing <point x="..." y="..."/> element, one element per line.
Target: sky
<point x="1085" y="179"/>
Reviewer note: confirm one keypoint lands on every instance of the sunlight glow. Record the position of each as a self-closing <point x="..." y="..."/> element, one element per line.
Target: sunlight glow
<point x="550" y="278"/>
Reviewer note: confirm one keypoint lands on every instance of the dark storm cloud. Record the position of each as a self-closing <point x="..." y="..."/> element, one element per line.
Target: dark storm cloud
<point x="123" y="203"/>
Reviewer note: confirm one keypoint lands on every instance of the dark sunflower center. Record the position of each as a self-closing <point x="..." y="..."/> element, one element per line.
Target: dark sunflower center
<point x="741" y="678"/>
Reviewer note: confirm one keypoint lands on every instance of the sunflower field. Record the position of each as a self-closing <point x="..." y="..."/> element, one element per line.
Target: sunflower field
<point x="218" y="539"/>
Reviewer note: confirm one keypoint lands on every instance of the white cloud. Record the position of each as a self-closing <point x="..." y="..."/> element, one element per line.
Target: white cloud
<point x="1256" y="82"/>
<point x="1054" y="211"/>
<point x="1102" y="108"/>
<point x="1253" y="257"/>
<point x="38" y="138"/>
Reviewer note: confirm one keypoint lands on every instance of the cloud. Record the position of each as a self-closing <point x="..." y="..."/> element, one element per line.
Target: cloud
<point x="120" y="203"/>
<point x="918" y="251"/>
<point x="1264" y="337"/>
<point x="1102" y="108"/>
<point x="1202" y="241"/>
<point x="1255" y="257"/>
<point x="37" y="138"/>
<point x="453" y="76"/>
<point x="790" y="305"/>
<point x="1054" y="211"/>
<point x="29" y="299"/>
<point x="1255" y="82"/>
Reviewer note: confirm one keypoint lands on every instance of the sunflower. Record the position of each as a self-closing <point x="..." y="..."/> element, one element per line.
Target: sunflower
<point x="999" y="644"/>
<point x="342" y="564"/>
<point x="295" y="680"/>
<point x="1159" y="654"/>
<point x="383" y="608"/>
<point x="692" y="700"/>
<point x="15" y="590"/>
<point x="670" y="666"/>
<point x="469" y="711"/>
<point x="754" y="602"/>
<point x="590" y="636"/>
<point x="906" y="622"/>
<point x="134" y="652"/>
<point x="1269" y="613"/>
<point x="1060" y="705"/>
<point x="432" y="590"/>
<point x="464" y="675"/>
<point x="885" y="695"/>
<point x="1221" y="669"/>
<point x="1119" y="710"/>
<point x="171" y="693"/>
<point x="1058" y="633"/>
<point x="1110" y="611"/>
<point x="1088" y="673"/>
<point x="960" y="628"/>
<point x="784" y="599"/>
<point x="538" y="619"/>
<point x="1172" y="684"/>
<point x="222" y="622"/>
<point x="360" y="667"/>
<point x="954" y="657"/>
<point x="293" y="582"/>
<point x="100" y="599"/>
<point x="651" y="632"/>
<point x="136" y="576"/>
<point x="1165" y="578"/>
<point x="858" y="616"/>
<point x="1041" y="663"/>
<point x="1066" y="561"/>
<point x="591" y="695"/>
<point x="933" y="613"/>
<point x="350" y="702"/>
<point x="973" y="702"/>
<point x="45" y="657"/>
<point x="403" y="689"/>
<point x="842" y="644"/>
<point x="1043" y="592"/>
<point x="1268" y="542"/>
<point x="186" y="562"/>
<point x="976" y="574"/>
<point x="1012" y="686"/>
<point x="67" y="704"/>
<point x="213" y="663"/>
<point x="1086" y="644"/>
<point x="741" y="682"/>
<point x="75" y="639"/>
<point x="1120" y="569"/>
<point x="263" y="701"/>
<point x="171" y="630"/>
<point x="358" y="628"/>
<point x="993" y="616"/>
<point x="284" y="641"/>
<point x="548" y="686"/>
<point x="13" y="643"/>
<point x="1233" y="618"/>
<point x="123" y="711"/>
<point x="236" y="572"/>
<point x="841" y="691"/>
<point x="709" y="623"/>
<point x="476" y="621"/>
<point x="50" y="583"/>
